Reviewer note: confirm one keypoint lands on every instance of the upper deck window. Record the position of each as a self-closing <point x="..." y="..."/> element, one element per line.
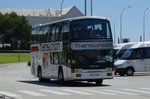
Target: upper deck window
<point x="90" y="29"/>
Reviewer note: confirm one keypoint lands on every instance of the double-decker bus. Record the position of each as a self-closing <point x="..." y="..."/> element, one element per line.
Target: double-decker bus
<point x="74" y="49"/>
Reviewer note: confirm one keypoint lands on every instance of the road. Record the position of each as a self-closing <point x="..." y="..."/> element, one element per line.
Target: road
<point x="17" y="82"/>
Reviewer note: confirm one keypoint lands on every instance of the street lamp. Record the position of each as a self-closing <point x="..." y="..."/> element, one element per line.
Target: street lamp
<point x="113" y="22"/>
<point x="144" y="24"/>
<point x="121" y="22"/>
<point x="61" y="6"/>
<point x="85" y="7"/>
<point x="91" y="8"/>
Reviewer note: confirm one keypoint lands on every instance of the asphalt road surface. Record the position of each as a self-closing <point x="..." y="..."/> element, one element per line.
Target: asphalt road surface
<point x="16" y="82"/>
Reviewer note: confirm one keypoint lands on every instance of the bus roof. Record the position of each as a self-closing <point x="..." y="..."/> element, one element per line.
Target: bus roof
<point x="72" y="19"/>
<point x="141" y="45"/>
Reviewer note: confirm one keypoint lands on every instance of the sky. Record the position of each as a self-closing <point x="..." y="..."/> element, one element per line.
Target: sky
<point x="132" y="18"/>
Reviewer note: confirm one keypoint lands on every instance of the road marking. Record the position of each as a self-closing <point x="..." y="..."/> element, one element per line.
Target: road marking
<point x="76" y="91"/>
<point x="100" y="92"/>
<point x="54" y="92"/>
<point x="11" y="95"/>
<point x="134" y="90"/>
<point x="32" y="93"/>
<point x="120" y="92"/>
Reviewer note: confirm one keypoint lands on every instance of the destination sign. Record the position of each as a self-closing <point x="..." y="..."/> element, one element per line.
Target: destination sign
<point x="90" y="45"/>
<point x="53" y="47"/>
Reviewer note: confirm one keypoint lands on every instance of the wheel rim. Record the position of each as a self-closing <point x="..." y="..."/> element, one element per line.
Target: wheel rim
<point x="130" y="72"/>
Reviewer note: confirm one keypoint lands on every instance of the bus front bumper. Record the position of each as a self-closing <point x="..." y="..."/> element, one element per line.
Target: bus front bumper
<point x="92" y="75"/>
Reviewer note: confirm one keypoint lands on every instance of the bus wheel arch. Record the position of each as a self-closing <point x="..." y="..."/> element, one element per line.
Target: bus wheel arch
<point x="60" y="74"/>
<point x="130" y="71"/>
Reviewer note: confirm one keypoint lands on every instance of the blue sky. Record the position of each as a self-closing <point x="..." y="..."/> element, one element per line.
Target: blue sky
<point x="132" y="19"/>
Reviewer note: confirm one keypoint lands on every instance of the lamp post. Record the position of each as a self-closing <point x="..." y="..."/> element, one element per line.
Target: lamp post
<point x="114" y="29"/>
<point x="61" y="6"/>
<point x="114" y="33"/>
<point x="144" y="24"/>
<point x="85" y="7"/>
<point x="91" y="8"/>
<point x="121" y="22"/>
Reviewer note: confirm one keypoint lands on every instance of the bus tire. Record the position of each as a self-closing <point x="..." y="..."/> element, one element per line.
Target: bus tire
<point x="130" y="71"/>
<point x="60" y="75"/>
<point x="121" y="73"/>
<point x="41" y="79"/>
<point x="99" y="82"/>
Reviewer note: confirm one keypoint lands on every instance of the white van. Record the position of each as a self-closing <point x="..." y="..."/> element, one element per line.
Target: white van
<point x="120" y="49"/>
<point x="135" y="59"/>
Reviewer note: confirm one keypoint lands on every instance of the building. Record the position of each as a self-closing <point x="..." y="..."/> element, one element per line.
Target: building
<point x="40" y="16"/>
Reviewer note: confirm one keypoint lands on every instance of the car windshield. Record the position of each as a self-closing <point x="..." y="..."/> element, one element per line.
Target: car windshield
<point x="120" y="53"/>
<point x="127" y="54"/>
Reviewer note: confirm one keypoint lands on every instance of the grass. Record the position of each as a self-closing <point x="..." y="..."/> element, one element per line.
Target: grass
<point x="6" y="58"/>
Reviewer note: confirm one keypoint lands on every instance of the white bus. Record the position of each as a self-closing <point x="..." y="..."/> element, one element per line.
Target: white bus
<point x="75" y="49"/>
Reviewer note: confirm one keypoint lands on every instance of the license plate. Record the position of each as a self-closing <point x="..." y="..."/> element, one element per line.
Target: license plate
<point x="94" y="74"/>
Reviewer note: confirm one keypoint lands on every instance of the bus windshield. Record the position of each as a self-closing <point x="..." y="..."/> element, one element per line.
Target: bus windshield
<point x="92" y="58"/>
<point x="90" y="29"/>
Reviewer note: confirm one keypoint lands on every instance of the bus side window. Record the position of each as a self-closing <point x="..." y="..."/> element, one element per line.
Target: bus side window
<point x="37" y="35"/>
<point x="50" y="33"/>
<point x="65" y="30"/>
<point x="53" y="33"/>
<point x="45" y="34"/>
<point x="58" y="33"/>
<point x="40" y="35"/>
<point x="33" y="35"/>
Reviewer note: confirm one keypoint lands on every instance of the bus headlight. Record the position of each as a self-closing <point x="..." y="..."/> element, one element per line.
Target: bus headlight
<point x="108" y="69"/>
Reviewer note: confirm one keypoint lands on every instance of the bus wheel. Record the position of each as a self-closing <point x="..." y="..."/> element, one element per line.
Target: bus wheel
<point x="99" y="82"/>
<point x="129" y="71"/>
<point x="60" y="76"/>
<point x="40" y="75"/>
<point x="121" y="73"/>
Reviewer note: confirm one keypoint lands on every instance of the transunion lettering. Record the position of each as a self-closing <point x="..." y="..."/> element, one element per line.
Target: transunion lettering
<point x="91" y="45"/>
